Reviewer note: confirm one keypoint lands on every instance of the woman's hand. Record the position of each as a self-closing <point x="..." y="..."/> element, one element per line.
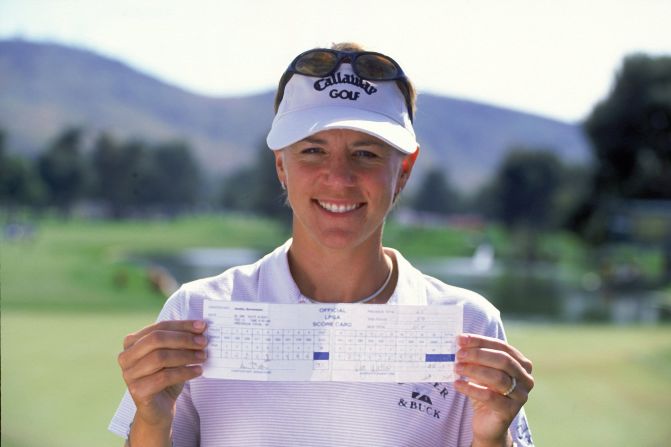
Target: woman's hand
<point x="498" y="383"/>
<point x="156" y="361"/>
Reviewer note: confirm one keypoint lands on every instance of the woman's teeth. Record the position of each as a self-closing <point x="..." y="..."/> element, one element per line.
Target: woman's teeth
<point x="334" y="208"/>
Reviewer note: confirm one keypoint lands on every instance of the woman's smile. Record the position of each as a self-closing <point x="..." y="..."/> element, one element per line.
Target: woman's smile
<point x="339" y="208"/>
<point x="340" y="184"/>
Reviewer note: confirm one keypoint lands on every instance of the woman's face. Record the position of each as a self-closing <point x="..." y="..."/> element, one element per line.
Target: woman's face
<point x="341" y="184"/>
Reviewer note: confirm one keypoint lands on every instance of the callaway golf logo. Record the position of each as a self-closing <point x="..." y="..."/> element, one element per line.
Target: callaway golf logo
<point x="339" y="78"/>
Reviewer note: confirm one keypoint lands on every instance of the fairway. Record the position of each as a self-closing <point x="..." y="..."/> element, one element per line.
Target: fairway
<point x="60" y="380"/>
<point x="63" y="321"/>
<point x="598" y="385"/>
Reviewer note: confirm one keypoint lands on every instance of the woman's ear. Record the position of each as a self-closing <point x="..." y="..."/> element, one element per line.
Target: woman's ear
<point x="407" y="165"/>
<point x="279" y="166"/>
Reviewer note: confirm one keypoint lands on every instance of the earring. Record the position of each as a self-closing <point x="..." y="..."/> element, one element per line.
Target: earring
<point x="284" y="187"/>
<point x="396" y="194"/>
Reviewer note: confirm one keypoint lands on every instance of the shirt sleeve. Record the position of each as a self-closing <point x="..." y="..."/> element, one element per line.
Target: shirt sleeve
<point x="175" y="308"/>
<point x="483" y="318"/>
<point x="520" y="431"/>
<point x="519" y="428"/>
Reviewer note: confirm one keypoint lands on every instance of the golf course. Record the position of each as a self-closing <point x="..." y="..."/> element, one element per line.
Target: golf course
<point x="71" y="290"/>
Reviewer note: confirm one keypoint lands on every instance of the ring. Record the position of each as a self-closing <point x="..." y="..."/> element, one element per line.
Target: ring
<point x="512" y="387"/>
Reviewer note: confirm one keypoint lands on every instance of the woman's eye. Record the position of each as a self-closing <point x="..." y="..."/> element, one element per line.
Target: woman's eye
<point x="311" y="150"/>
<point x="365" y="154"/>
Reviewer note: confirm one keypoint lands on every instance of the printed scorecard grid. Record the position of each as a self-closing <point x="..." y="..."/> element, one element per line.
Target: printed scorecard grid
<point x="339" y="342"/>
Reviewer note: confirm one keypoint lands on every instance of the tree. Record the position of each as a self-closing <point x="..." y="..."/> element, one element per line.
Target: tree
<point x="19" y="183"/>
<point x="435" y="194"/>
<point x="133" y="177"/>
<point x="526" y="184"/>
<point x="266" y="195"/>
<point x="63" y="170"/>
<point x="523" y="194"/>
<point x="256" y="189"/>
<point x="176" y="175"/>
<point x="116" y="168"/>
<point x="235" y="190"/>
<point x="630" y="132"/>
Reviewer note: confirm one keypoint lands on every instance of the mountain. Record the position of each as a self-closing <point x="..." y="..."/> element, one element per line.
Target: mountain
<point x="45" y="87"/>
<point x="470" y="139"/>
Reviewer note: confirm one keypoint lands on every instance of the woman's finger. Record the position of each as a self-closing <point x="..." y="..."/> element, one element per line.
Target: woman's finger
<point x="490" y="398"/>
<point x="193" y="326"/>
<point x="163" y="358"/>
<point x="468" y="341"/>
<point x="147" y="387"/>
<point x="494" y="359"/>
<point x="158" y="340"/>
<point x="494" y="379"/>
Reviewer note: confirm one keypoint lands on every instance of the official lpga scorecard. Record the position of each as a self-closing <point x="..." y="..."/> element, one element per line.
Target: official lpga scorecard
<point x="331" y="342"/>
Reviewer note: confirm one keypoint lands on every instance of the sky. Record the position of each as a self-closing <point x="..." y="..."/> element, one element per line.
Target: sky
<point x="553" y="58"/>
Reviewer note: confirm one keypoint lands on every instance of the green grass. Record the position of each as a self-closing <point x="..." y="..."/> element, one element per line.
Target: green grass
<point x="63" y="320"/>
<point x="602" y="385"/>
<point x="60" y="380"/>
<point x="72" y="266"/>
<point x="431" y="241"/>
<point x="598" y="385"/>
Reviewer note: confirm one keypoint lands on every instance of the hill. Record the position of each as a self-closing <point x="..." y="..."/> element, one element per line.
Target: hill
<point x="45" y="87"/>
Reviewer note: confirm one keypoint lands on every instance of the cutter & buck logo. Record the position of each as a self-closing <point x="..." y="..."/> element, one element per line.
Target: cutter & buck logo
<point x="420" y="400"/>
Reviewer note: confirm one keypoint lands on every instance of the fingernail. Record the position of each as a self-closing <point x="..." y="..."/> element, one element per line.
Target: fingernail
<point x="198" y="325"/>
<point x="462" y="354"/>
<point x="200" y="355"/>
<point x="200" y="340"/>
<point x="462" y="339"/>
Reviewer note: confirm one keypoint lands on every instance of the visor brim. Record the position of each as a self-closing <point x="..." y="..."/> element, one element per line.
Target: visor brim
<point x="294" y="126"/>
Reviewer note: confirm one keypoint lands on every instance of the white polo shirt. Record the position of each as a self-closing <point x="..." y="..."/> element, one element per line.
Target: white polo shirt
<point x="215" y="412"/>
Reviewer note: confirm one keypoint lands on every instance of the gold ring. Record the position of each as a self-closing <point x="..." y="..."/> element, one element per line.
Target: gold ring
<point x="512" y="387"/>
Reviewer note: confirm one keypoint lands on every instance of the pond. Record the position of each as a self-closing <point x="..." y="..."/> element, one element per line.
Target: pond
<point x="542" y="292"/>
<point x="537" y="292"/>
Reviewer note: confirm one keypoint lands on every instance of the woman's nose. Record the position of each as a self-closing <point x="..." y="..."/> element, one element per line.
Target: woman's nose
<point x="340" y="172"/>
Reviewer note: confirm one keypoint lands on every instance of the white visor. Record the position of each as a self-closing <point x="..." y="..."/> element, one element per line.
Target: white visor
<point x="342" y="101"/>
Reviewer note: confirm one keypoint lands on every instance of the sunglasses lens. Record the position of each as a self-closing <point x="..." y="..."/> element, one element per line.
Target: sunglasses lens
<point x="316" y="63"/>
<point x="376" y="67"/>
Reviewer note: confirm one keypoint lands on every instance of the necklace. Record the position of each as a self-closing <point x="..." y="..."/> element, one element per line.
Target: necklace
<point x="369" y="297"/>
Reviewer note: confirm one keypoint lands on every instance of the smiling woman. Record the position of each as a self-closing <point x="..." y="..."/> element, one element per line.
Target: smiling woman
<point x="344" y="149"/>
<point x="341" y="184"/>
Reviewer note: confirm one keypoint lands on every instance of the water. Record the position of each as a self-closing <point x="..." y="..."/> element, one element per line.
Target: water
<point x="199" y="262"/>
<point x="543" y="292"/>
<point x="538" y="292"/>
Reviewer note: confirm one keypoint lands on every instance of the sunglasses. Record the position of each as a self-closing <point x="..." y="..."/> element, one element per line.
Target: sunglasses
<point x="367" y="65"/>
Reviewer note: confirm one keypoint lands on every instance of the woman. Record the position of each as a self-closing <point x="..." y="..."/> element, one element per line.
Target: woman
<point x="344" y="149"/>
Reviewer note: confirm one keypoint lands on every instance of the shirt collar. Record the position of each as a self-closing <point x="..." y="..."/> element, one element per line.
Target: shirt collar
<point x="276" y="284"/>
